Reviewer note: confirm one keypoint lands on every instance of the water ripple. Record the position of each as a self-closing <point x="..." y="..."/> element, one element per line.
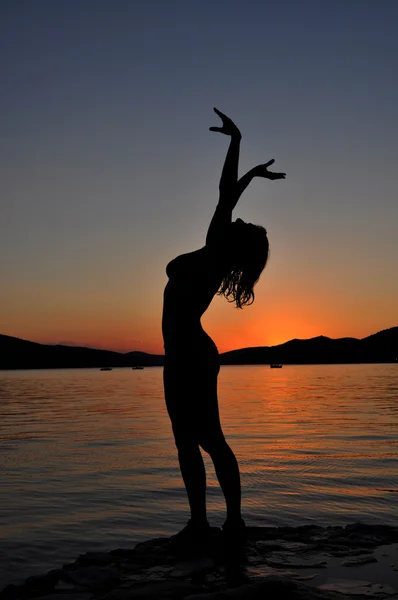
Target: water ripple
<point x="89" y="463"/>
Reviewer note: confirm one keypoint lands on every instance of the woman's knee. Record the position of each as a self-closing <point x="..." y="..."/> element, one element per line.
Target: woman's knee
<point x="183" y="440"/>
<point x="213" y="442"/>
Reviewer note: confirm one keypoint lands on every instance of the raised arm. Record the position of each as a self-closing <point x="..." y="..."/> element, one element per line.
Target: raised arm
<point x="229" y="174"/>
<point x="228" y="182"/>
<point x="259" y="171"/>
<point x="231" y="188"/>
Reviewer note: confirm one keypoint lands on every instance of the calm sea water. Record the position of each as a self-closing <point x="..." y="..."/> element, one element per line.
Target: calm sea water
<point x="88" y="460"/>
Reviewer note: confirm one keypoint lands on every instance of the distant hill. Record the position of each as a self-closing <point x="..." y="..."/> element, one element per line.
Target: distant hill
<point x="379" y="347"/>
<point x="21" y="354"/>
<point x="16" y="353"/>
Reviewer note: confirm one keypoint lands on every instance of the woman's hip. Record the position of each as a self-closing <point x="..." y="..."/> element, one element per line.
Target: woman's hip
<point x="190" y="390"/>
<point x="192" y="351"/>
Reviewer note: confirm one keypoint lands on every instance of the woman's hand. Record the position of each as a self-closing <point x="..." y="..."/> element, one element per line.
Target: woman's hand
<point x="262" y="171"/>
<point x="228" y="126"/>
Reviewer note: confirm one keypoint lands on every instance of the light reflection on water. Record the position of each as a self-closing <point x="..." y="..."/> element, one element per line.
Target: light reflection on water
<point x="88" y="460"/>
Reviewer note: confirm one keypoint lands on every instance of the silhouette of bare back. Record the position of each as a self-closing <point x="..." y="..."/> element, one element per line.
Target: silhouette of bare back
<point x="230" y="264"/>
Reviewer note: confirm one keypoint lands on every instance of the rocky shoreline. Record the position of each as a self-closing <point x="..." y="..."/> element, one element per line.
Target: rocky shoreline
<point x="308" y="562"/>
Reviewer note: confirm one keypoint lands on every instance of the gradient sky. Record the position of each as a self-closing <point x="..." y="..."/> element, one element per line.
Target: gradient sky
<point x="108" y="169"/>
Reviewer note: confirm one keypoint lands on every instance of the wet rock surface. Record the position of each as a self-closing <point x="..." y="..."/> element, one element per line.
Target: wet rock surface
<point x="308" y="562"/>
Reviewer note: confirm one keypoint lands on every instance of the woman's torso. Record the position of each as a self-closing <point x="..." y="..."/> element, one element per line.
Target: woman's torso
<point x="194" y="279"/>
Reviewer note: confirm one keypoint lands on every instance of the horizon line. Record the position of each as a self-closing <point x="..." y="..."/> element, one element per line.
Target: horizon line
<point x="72" y="345"/>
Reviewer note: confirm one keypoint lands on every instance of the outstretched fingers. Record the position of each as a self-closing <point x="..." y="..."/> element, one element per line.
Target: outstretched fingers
<point x="262" y="171"/>
<point x="228" y="126"/>
<point x="220" y="114"/>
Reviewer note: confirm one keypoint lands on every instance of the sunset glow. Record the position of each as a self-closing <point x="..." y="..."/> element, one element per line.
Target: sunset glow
<point x="109" y="171"/>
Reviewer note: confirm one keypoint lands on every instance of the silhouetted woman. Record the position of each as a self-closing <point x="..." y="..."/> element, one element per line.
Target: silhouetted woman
<point x="230" y="264"/>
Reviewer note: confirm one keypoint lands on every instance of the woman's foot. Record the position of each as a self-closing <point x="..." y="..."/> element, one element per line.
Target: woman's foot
<point x="193" y="533"/>
<point x="235" y="530"/>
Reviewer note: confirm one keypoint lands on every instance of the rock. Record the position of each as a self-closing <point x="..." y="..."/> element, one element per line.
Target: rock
<point x="10" y="592"/>
<point x="271" y="588"/>
<point x="95" y="577"/>
<point x="42" y="583"/>
<point x="359" y="560"/>
<point x="292" y="563"/>
<point x="192" y="567"/>
<point x="305" y="577"/>
<point x="360" y="588"/>
<point x="124" y="553"/>
<point x="264" y="546"/>
<point x="61" y="586"/>
<point x="160" y="570"/>
<point x="264" y="571"/>
<point x="152" y="545"/>
<point x="68" y="596"/>
<point x="156" y="590"/>
<point x="350" y="552"/>
<point x="95" y="558"/>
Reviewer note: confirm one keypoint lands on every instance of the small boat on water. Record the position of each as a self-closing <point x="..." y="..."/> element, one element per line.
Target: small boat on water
<point x="275" y="366"/>
<point x="106" y="369"/>
<point x="137" y="368"/>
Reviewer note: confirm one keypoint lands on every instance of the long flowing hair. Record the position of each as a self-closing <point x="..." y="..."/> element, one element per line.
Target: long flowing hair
<point x="249" y="259"/>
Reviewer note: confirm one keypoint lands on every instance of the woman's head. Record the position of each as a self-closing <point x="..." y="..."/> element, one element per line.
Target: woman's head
<point x="248" y="251"/>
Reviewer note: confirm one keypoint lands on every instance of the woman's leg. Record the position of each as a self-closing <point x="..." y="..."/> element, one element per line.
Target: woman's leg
<point x="227" y="471"/>
<point x="178" y="387"/>
<point x="192" y="404"/>
<point x="212" y="440"/>
<point x="193" y="474"/>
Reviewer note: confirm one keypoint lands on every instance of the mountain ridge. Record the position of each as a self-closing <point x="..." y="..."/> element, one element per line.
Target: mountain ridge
<point x="382" y="346"/>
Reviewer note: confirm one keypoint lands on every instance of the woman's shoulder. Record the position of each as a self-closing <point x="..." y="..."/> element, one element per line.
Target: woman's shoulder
<point x="207" y="258"/>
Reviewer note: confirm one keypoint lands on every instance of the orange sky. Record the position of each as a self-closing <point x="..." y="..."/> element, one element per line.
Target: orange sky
<point x="278" y="314"/>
